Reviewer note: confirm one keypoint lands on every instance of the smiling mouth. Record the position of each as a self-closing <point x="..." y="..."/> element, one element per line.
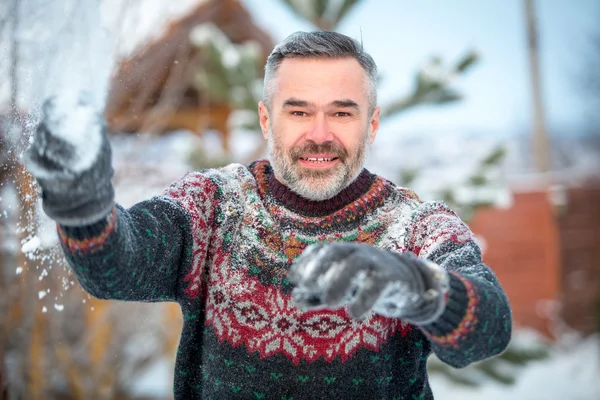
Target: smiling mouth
<point x="318" y="160"/>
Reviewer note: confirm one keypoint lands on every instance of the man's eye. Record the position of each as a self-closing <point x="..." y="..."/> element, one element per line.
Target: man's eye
<point x="298" y="113"/>
<point x="342" y="114"/>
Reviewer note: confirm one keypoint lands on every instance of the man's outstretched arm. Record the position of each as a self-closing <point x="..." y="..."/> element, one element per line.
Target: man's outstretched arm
<point x="476" y="322"/>
<point x="446" y="291"/>
<point x="134" y="254"/>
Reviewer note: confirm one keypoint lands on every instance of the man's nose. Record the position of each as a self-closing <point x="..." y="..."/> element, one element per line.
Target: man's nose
<point x="320" y="132"/>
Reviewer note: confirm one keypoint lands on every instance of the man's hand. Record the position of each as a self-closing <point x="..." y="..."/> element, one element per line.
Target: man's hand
<point x="70" y="157"/>
<point x="369" y="279"/>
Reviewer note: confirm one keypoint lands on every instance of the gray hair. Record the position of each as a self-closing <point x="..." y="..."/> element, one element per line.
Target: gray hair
<point x="320" y="44"/>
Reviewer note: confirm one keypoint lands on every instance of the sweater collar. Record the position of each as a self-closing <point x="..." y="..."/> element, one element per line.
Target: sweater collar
<point x="303" y="206"/>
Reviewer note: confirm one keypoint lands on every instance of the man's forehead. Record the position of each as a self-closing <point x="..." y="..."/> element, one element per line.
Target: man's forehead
<point x="320" y="66"/>
<point x="321" y="81"/>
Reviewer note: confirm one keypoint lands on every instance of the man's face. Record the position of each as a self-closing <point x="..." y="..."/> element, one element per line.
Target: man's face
<point x="318" y="129"/>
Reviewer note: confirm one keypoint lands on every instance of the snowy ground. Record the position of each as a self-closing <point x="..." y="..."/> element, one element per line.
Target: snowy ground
<point x="571" y="372"/>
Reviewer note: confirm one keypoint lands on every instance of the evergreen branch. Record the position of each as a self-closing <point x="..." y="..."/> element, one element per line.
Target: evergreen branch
<point x="299" y="11"/>
<point x="320" y="8"/>
<point x="468" y="61"/>
<point x="344" y="9"/>
<point x="495" y="157"/>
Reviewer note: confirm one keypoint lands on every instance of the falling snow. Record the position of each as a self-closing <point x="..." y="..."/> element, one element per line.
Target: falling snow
<point x="31" y="245"/>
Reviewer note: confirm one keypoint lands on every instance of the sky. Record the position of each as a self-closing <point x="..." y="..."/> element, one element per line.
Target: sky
<point x="402" y="34"/>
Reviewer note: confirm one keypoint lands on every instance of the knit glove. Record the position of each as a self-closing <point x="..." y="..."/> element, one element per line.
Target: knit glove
<point x="369" y="279"/>
<point x="70" y="157"/>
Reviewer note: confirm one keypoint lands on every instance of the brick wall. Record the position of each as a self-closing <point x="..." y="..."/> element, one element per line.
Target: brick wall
<point x="522" y="247"/>
<point x="580" y="242"/>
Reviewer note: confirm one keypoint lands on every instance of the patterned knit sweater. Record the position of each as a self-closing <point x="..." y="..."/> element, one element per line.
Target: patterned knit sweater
<point x="219" y="242"/>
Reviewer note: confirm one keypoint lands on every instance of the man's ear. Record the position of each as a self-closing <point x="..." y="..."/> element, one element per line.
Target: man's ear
<point x="264" y="119"/>
<point x="374" y="124"/>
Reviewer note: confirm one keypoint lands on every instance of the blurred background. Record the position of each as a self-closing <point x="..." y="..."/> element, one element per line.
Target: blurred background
<point x="490" y="106"/>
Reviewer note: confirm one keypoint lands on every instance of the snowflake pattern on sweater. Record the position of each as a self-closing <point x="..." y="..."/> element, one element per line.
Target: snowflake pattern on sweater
<point x="220" y="242"/>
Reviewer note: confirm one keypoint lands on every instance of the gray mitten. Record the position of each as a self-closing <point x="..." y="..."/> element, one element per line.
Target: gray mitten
<point x="369" y="279"/>
<point x="70" y="157"/>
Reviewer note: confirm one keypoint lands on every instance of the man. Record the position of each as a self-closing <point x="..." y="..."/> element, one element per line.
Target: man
<point x="301" y="277"/>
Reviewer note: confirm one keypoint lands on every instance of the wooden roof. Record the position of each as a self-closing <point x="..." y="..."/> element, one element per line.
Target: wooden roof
<point x="158" y="74"/>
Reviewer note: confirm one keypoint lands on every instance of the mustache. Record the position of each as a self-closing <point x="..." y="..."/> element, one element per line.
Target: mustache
<point x="326" y="147"/>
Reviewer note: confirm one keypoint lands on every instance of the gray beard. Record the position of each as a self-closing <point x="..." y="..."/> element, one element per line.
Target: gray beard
<point x="316" y="185"/>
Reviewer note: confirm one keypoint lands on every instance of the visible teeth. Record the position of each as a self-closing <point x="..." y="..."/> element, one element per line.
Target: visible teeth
<point x="318" y="159"/>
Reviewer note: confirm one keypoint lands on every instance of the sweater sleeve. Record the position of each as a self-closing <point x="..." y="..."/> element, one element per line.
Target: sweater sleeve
<point x="153" y="251"/>
<point x="477" y="319"/>
<point x="134" y="254"/>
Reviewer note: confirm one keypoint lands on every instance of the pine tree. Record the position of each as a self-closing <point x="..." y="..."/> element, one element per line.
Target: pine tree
<point x="229" y="73"/>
